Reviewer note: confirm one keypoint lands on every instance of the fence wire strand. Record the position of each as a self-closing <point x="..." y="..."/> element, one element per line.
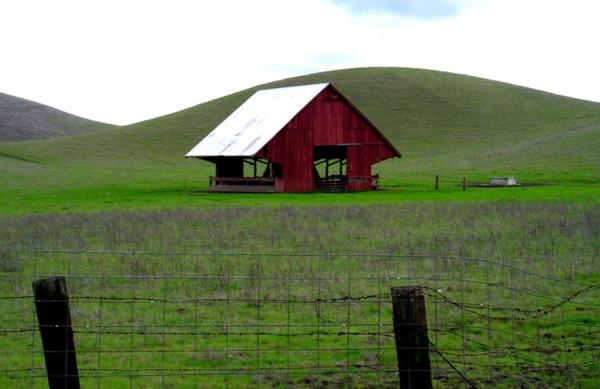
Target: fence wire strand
<point x="198" y="319"/>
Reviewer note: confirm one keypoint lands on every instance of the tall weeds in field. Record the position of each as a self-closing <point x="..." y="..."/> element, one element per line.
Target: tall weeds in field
<point x="565" y="236"/>
<point x="494" y="273"/>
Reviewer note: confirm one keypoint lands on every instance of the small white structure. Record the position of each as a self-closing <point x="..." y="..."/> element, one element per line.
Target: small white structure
<point x="503" y="181"/>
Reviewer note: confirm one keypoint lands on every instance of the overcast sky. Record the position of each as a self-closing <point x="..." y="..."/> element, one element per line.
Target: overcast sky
<point x="122" y="61"/>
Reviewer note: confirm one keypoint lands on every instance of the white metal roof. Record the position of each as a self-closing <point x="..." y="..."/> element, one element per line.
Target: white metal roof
<point x="256" y="121"/>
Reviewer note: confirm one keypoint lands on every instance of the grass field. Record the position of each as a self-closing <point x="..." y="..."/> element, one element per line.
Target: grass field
<point x="141" y="319"/>
<point x="447" y="124"/>
<point x="511" y="274"/>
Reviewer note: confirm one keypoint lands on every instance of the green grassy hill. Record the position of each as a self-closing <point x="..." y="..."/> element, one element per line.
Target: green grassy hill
<point x="22" y="119"/>
<point x="447" y="124"/>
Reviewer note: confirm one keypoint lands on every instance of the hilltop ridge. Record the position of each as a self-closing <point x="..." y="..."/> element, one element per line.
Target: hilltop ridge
<point x="22" y="119"/>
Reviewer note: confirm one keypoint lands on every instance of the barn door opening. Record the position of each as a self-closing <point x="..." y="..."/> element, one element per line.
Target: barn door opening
<point x="329" y="168"/>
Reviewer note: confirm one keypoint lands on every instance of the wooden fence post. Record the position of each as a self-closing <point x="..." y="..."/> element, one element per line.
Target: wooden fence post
<point x="464" y="183"/>
<point x="410" y="332"/>
<point x="54" y="317"/>
<point x="437" y="181"/>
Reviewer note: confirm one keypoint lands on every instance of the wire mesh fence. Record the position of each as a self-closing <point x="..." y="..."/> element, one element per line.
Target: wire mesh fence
<point x="167" y="319"/>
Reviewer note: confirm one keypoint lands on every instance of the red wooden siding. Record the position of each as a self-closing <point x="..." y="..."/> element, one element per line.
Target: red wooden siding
<point x="327" y="120"/>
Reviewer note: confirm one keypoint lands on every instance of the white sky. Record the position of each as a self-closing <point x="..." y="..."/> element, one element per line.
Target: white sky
<point x="122" y="61"/>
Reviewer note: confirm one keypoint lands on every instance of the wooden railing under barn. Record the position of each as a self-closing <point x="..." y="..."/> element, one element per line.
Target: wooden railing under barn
<point x="363" y="182"/>
<point x="268" y="184"/>
<point x="331" y="184"/>
<point x="243" y="184"/>
<point x="345" y="183"/>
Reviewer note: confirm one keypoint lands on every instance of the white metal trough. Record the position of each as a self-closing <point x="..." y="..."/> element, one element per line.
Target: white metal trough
<point x="503" y="181"/>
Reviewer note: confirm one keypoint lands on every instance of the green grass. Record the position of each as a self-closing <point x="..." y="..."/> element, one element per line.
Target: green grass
<point x="129" y="188"/>
<point x="447" y="124"/>
<point x="511" y="324"/>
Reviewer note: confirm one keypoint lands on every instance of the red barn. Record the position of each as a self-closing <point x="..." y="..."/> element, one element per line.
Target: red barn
<point x="295" y="139"/>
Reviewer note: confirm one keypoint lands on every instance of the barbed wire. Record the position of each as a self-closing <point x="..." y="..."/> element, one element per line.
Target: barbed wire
<point x="282" y="254"/>
<point x="474" y="341"/>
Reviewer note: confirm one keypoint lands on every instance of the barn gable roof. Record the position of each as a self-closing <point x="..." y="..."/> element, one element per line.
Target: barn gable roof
<point x="256" y="122"/>
<point x="250" y="127"/>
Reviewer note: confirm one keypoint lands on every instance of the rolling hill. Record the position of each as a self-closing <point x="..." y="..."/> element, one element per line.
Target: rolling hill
<point x="22" y="119"/>
<point x="443" y="123"/>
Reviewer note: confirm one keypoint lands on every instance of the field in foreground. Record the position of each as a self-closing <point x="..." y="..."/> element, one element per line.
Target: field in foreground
<point x="300" y="296"/>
